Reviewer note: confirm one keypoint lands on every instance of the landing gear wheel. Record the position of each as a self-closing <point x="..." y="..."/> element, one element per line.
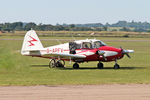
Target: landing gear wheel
<point x="60" y="63"/>
<point x="100" y="65"/>
<point x="52" y="63"/>
<point x="116" y="66"/>
<point x="76" y="66"/>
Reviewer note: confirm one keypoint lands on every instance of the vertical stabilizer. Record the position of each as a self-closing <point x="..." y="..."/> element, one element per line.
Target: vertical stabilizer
<point x="31" y="42"/>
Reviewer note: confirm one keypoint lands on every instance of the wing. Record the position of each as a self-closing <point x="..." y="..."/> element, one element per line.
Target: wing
<point x="56" y="55"/>
<point x="62" y="55"/>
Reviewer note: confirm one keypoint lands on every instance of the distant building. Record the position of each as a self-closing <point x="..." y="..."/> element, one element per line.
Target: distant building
<point x="92" y="33"/>
<point x="2" y="32"/>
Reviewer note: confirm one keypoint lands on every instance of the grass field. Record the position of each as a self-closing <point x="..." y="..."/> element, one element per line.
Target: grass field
<point x="16" y="69"/>
<point x="82" y="34"/>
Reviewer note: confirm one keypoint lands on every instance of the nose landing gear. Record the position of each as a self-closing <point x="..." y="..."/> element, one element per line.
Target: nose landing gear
<point x="116" y="66"/>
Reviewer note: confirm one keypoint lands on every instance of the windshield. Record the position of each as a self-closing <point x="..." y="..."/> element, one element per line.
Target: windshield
<point x="98" y="44"/>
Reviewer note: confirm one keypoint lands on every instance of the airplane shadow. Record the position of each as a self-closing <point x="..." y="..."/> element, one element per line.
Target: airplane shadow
<point x="92" y="68"/>
<point x="39" y="65"/>
<point x="105" y="68"/>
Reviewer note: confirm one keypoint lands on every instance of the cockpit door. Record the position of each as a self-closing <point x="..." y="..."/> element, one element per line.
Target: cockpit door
<point x="72" y="47"/>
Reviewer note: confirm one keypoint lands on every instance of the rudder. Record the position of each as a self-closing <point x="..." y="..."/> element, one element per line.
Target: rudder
<point x="31" y="42"/>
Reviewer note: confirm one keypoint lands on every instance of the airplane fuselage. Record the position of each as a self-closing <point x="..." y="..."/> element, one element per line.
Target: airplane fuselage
<point x="111" y="53"/>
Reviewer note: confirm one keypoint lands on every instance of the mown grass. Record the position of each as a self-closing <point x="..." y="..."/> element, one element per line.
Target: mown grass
<point x="16" y="69"/>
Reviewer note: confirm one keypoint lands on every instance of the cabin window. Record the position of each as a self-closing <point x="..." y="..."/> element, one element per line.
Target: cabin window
<point x="98" y="44"/>
<point x="87" y="45"/>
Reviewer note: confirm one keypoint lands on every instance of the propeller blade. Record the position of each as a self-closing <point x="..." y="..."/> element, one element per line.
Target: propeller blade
<point x="128" y="55"/>
<point x="126" y="52"/>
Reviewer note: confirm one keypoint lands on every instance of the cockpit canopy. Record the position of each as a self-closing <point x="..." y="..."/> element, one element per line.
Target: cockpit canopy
<point x="86" y="44"/>
<point x="98" y="44"/>
<point x="93" y="44"/>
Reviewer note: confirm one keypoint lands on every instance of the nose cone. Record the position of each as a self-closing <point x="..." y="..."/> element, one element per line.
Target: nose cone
<point x="119" y="51"/>
<point x="120" y="54"/>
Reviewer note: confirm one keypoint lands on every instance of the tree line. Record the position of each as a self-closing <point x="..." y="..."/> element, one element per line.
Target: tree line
<point x="20" y="26"/>
<point x="122" y="25"/>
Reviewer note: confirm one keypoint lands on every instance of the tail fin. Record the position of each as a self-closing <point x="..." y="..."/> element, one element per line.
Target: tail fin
<point x="31" y="42"/>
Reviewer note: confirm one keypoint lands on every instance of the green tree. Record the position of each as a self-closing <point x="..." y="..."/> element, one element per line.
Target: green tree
<point x="125" y="29"/>
<point x="29" y="26"/>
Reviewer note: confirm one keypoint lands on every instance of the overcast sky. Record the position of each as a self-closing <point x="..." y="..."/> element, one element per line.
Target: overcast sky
<point x="74" y="11"/>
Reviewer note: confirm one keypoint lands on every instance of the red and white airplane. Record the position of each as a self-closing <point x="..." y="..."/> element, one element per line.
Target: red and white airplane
<point x="78" y="51"/>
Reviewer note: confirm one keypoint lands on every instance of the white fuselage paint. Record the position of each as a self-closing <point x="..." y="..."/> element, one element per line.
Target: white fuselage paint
<point x="87" y="53"/>
<point x="110" y="53"/>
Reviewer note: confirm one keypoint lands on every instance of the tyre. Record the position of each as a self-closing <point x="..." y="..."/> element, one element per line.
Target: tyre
<point x="100" y="66"/>
<point x="116" y="66"/>
<point x="52" y="63"/>
<point x="76" y="66"/>
<point x="60" y="63"/>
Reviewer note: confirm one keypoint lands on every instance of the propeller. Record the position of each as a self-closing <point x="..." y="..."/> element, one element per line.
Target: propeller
<point x="126" y="52"/>
<point x="128" y="55"/>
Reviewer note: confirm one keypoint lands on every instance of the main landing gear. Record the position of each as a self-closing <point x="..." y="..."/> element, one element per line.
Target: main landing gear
<point x="56" y="63"/>
<point x="100" y="65"/>
<point x="76" y="66"/>
<point x="61" y="63"/>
